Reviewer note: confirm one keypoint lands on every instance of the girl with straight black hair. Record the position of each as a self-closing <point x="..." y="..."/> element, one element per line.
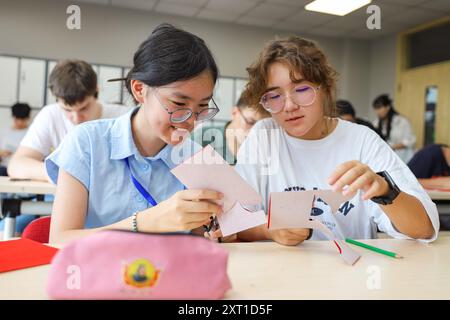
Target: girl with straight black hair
<point x="395" y="129"/>
<point x="115" y="174"/>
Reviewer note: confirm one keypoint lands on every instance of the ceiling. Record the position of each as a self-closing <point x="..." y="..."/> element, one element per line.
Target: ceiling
<point x="290" y="15"/>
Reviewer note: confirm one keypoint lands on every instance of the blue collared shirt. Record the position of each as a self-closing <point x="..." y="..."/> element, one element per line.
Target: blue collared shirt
<point x="94" y="154"/>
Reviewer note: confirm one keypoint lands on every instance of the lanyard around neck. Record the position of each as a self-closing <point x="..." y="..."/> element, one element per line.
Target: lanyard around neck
<point x="140" y="188"/>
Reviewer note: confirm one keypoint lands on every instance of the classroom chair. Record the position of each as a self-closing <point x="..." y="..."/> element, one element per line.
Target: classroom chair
<point x="38" y="230"/>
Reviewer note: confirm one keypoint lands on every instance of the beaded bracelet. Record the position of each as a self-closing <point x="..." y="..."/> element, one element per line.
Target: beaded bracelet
<point x="134" y="222"/>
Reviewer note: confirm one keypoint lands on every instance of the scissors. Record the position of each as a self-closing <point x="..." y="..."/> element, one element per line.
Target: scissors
<point x="213" y="225"/>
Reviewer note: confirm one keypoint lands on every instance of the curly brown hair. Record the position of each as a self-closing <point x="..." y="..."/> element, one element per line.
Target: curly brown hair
<point x="300" y="56"/>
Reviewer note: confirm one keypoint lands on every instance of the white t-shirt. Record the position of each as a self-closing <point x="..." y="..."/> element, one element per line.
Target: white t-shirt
<point x="10" y="140"/>
<point x="272" y="161"/>
<point x="51" y="125"/>
<point x="401" y="132"/>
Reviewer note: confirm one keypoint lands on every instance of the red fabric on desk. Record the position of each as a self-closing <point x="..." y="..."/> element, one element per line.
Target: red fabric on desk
<point x="24" y="253"/>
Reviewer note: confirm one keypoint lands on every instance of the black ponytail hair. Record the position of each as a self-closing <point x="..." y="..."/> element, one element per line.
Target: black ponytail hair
<point x="168" y="55"/>
<point x="383" y="101"/>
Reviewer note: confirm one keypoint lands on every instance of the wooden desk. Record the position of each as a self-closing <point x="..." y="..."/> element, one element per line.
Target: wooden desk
<point x="436" y="195"/>
<point x="35" y="187"/>
<point x="313" y="270"/>
<point x="437" y="188"/>
<point x="439" y="191"/>
<point x="441" y="199"/>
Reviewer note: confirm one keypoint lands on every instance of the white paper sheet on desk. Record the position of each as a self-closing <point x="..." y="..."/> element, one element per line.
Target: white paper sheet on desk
<point x="293" y="210"/>
<point x="208" y="170"/>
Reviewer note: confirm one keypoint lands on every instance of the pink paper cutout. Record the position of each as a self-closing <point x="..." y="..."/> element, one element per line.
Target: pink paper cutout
<point x="286" y="209"/>
<point x="349" y="255"/>
<point x="293" y="210"/>
<point x="208" y="170"/>
<point x="237" y="219"/>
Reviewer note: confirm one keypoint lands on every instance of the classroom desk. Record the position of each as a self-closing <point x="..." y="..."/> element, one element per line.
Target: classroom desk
<point x="35" y="187"/>
<point x="441" y="199"/>
<point x="438" y="189"/>
<point x="312" y="270"/>
<point x="32" y="207"/>
<point x="437" y="195"/>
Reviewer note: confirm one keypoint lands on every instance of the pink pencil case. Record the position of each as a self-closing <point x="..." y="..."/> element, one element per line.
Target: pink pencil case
<point x="128" y="265"/>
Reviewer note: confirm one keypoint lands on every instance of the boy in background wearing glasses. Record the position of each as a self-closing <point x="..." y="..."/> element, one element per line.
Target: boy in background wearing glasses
<point x="227" y="137"/>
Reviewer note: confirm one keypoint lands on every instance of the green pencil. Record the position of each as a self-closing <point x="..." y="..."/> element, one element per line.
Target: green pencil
<point x="385" y="252"/>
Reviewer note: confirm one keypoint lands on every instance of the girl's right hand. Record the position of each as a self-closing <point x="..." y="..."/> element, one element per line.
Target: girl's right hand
<point x="185" y="210"/>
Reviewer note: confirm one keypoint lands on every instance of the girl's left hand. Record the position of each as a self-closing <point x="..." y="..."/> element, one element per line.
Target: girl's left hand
<point x="357" y="175"/>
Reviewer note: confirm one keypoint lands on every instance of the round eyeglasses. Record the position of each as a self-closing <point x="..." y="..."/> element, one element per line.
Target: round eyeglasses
<point x="180" y="115"/>
<point x="302" y="95"/>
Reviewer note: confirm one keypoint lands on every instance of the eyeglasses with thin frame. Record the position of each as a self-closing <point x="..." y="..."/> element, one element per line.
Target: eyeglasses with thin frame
<point x="180" y="115"/>
<point x="302" y="95"/>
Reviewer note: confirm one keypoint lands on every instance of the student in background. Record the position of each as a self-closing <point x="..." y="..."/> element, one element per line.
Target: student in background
<point x="74" y="85"/>
<point x="303" y="146"/>
<point x="431" y="161"/>
<point x="9" y="141"/>
<point x="346" y="111"/>
<point x="115" y="174"/>
<point x="10" y="138"/>
<point x="394" y="128"/>
<point x="227" y="139"/>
